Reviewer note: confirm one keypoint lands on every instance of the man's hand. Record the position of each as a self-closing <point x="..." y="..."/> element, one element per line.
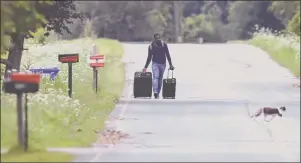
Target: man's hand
<point x="171" y="67"/>
<point x="144" y="69"/>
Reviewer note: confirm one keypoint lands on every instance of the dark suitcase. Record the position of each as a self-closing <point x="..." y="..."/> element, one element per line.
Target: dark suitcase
<point x="169" y="87"/>
<point x="143" y="84"/>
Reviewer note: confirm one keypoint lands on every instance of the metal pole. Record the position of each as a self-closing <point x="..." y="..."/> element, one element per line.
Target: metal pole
<point x="26" y="123"/>
<point x="96" y="80"/>
<point x="70" y="79"/>
<point x="20" y="120"/>
<point x="94" y="52"/>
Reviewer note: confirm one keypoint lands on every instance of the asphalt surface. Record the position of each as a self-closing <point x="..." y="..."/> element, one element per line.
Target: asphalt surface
<point x="218" y="87"/>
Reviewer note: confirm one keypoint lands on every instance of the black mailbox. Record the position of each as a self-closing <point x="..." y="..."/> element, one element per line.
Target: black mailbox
<point x="22" y="83"/>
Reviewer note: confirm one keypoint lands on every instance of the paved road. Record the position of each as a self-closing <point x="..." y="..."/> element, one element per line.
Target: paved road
<point x="218" y="86"/>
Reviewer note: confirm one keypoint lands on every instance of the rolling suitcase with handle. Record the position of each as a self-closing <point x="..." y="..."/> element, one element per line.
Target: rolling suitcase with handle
<point x="142" y="84"/>
<point x="169" y="86"/>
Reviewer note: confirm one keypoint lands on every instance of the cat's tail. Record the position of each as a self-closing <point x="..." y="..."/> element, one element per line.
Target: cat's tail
<point x="258" y="113"/>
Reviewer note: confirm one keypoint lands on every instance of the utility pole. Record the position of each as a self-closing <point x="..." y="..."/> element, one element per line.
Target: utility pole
<point x="177" y="25"/>
<point x="175" y="10"/>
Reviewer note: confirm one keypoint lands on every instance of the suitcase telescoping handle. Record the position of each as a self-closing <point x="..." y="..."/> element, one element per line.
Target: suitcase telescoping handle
<point x="168" y="73"/>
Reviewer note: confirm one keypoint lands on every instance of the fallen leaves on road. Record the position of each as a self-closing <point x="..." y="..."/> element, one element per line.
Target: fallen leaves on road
<point x="296" y="85"/>
<point x="109" y="136"/>
<point x="111" y="117"/>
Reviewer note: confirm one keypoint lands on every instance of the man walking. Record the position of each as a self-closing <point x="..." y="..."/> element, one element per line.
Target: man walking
<point x="157" y="53"/>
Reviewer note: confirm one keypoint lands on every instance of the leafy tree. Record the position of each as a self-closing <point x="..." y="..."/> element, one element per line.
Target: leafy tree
<point x="284" y="10"/>
<point x="123" y="20"/>
<point x="192" y="8"/>
<point x="244" y="15"/>
<point x="294" y="24"/>
<point x="26" y="16"/>
<point x="17" y="19"/>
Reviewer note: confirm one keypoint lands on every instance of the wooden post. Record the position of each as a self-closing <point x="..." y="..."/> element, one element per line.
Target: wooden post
<point x="70" y="79"/>
<point x="20" y="120"/>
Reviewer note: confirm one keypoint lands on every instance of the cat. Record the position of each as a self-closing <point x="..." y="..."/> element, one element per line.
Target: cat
<point x="269" y="111"/>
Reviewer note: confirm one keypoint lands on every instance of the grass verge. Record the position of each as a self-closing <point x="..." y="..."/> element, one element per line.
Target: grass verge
<point x="55" y="120"/>
<point x="283" y="49"/>
<point x="35" y="156"/>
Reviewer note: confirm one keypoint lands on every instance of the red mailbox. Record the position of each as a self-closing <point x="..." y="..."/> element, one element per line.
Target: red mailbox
<point x="22" y="83"/>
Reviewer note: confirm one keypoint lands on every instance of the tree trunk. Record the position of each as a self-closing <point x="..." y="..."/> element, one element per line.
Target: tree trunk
<point x="15" y="52"/>
<point x="6" y="63"/>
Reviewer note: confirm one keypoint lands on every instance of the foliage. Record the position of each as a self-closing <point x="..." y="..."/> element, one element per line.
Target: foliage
<point x="39" y="36"/>
<point x="294" y="24"/>
<point x="284" y="10"/>
<point x="54" y="118"/>
<point x="137" y="21"/>
<point x="214" y="21"/>
<point x="21" y="18"/>
<point x="196" y="26"/>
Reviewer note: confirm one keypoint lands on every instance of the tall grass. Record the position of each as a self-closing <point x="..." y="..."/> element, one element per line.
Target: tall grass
<point x="55" y="120"/>
<point x="284" y="48"/>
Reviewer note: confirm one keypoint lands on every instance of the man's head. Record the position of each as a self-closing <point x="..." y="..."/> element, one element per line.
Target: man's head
<point x="157" y="38"/>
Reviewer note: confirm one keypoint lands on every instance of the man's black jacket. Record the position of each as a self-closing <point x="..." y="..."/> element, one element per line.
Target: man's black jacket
<point x="158" y="52"/>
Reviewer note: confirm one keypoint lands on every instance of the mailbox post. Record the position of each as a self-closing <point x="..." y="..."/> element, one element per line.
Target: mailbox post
<point x="20" y="83"/>
<point x="96" y="61"/>
<point x="69" y="58"/>
<point x="95" y="70"/>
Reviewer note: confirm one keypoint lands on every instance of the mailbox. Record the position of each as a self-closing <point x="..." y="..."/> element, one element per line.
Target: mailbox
<point x="51" y="71"/>
<point x="22" y="83"/>
<point x="68" y="58"/>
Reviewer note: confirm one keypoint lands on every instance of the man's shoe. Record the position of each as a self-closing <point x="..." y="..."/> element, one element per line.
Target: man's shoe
<point x="156" y="95"/>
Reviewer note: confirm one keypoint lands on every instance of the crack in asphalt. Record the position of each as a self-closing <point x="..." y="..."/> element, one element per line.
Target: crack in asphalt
<point x="247" y="65"/>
